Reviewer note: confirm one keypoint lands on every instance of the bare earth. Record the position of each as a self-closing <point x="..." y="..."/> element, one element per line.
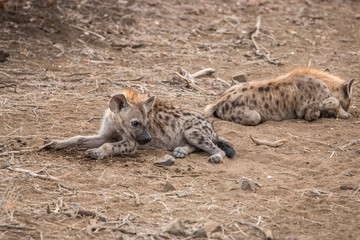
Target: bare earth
<point x="65" y="60"/>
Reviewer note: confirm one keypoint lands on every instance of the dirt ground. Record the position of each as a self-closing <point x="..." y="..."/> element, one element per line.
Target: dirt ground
<point x="65" y="60"/>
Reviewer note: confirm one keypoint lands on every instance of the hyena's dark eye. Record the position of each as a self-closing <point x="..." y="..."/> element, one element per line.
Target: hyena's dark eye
<point x="134" y="123"/>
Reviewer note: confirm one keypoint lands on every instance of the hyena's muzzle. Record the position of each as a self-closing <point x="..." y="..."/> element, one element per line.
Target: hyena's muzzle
<point x="143" y="137"/>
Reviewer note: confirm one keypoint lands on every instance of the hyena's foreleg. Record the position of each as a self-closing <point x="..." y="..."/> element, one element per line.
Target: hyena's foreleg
<point x="201" y="140"/>
<point x="80" y="142"/>
<point x="111" y="149"/>
<point x="327" y="107"/>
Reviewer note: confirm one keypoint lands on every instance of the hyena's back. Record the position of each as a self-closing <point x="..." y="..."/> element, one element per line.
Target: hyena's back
<point x="286" y="97"/>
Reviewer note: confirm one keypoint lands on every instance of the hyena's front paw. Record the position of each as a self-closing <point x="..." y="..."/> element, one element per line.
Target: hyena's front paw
<point x="95" y="153"/>
<point x="179" y="152"/>
<point x="56" y="144"/>
<point x="345" y="115"/>
<point x="312" y="115"/>
<point x="216" y="158"/>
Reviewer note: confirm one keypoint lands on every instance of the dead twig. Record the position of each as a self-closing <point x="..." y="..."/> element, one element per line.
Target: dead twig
<point x="33" y="174"/>
<point x="94" y="117"/>
<point x="66" y="187"/>
<point x="310" y="140"/>
<point x="351" y="143"/>
<point x="316" y="191"/>
<point x="121" y="79"/>
<point x="129" y="79"/>
<point x="75" y="74"/>
<point x="311" y="221"/>
<point x="90" y="213"/>
<point x="185" y="75"/>
<point x="151" y="176"/>
<point x="5" y="166"/>
<point x="15" y="152"/>
<point x="277" y="143"/>
<point x="261" y="50"/>
<point x="9" y="85"/>
<point x="8" y="227"/>
<point x="88" y="31"/>
<point x="267" y="233"/>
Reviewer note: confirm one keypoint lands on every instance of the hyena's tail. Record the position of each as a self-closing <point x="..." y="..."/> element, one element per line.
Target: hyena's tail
<point x="210" y="110"/>
<point x="226" y="146"/>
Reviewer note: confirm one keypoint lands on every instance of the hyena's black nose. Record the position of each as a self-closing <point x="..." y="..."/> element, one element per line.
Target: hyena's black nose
<point x="148" y="138"/>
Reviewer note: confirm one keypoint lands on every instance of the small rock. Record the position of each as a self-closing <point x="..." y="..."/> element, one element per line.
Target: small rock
<point x="176" y="228"/>
<point x="239" y="78"/>
<point x="347" y="187"/>
<point x="247" y="184"/>
<point x="168" y="187"/>
<point x="166" y="162"/>
<point x="199" y="233"/>
<point x="3" y="56"/>
<point x="357" y="16"/>
<point x="212" y="226"/>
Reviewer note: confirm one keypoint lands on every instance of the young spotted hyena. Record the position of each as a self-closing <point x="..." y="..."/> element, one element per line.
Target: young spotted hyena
<point x="139" y="121"/>
<point x="303" y="93"/>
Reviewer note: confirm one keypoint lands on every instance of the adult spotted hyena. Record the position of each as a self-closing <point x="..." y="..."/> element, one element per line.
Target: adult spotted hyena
<point x="140" y="121"/>
<point x="303" y="93"/>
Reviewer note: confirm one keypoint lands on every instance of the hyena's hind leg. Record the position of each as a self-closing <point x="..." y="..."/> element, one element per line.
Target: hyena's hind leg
<point x="80" y="142"/>
<point x="199" y="139"/>
<point x="244" y="115"/>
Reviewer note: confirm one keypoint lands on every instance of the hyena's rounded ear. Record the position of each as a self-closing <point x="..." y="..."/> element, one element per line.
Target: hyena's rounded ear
<point x="348" y="88"/>
<point x="148" y="103"/>
<point x="118" y="102"/>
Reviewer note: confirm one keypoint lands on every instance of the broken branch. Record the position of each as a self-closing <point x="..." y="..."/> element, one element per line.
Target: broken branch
<point x="277" y="143"/>
<point x="206" y="71"/>
<point x="185" y="75"/>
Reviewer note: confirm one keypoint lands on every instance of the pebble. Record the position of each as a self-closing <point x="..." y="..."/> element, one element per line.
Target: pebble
<point x="176" y="228"/>
<point x="167" y="161"/>
<point x="199" y="232"/>
<point x="240" y="78"/>
<point x="247" y="184"/>
<point x="212" y="226"/>
<point x="168" y="187"/>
